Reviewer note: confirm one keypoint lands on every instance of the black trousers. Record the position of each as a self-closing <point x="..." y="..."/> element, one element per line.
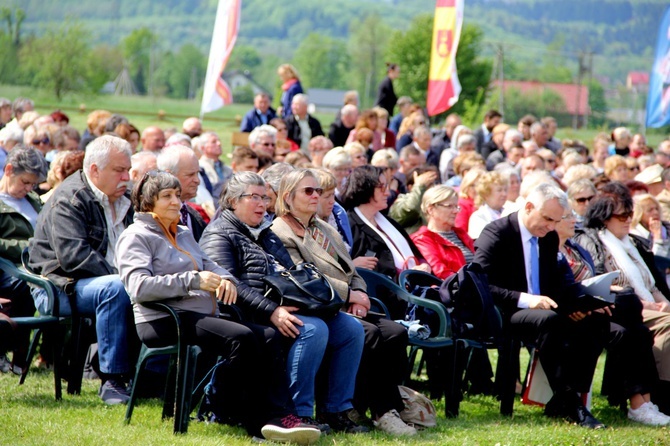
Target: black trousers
<point x="383" y="367"/>
<point x="18" y="292"/>
<point x="257" y="360"/>
<point x="568" y="350"/>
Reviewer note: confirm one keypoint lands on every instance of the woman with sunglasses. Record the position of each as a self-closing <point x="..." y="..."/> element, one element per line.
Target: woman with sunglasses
<point x="630" y="372"/>
<point x="580" y="195"/>
<point x="310" y="239"/>
<point x="159" y="260"/>
<point x="608" y="240"/>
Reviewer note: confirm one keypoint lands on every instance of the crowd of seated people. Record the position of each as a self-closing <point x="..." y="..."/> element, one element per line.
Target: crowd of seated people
<point x="118" y="216"/>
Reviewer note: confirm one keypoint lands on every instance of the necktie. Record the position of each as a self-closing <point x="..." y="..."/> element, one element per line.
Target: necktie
<point x="183" y="219"/>
<point x="534" y="267"/>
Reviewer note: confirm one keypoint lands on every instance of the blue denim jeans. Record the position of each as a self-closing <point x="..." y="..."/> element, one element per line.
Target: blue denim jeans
<point x="343" y="337"/>
<point x="105" y="299"/>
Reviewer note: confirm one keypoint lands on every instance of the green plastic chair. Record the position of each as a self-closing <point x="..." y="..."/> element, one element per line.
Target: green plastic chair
<point x="181" y="374"/>
<point x="47" y="323"/>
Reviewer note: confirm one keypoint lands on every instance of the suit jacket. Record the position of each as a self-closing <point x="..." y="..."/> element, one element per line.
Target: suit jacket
<point x="500" y="252"/>
<point x="302" y="247"/>
<point x="366" y="239"/>
<point x="479" y="138"/>
<point x="294" y="133"/>
<point x="198" y="224"/>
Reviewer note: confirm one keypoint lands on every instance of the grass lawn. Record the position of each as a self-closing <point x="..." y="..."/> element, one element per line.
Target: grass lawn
<point x="32" y="417"/>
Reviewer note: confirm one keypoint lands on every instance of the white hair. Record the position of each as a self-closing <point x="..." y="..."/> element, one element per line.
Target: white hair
<point x="168" y="159"/>
<point x="141" y="158"/>
<point x="465" y="140"/>
<point x="544" y="192"/>
<point x="335" y="158"/>
<point x="99" y="150"/>
<point x="349" y="109"/>
<point x="179" y="139"/>
<point x="300" y="97"/>
<point x="11" y="133"/>
<point x="260" y="131"/>
<point x="532" y="179"/>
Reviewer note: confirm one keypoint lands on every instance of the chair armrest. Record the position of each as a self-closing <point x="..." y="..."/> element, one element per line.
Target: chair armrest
<point x="37" y="280"/>
<point x="378" y="306"/>
<point x="444" y="329"/>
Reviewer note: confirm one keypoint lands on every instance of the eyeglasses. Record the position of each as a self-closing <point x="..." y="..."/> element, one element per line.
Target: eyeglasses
<point x="269" y="144"/>
<point x="623" y="217"/>
<point x="257" y="198"/>
<point x="583" y="200"/>
<point x="450" y="206"/>
<point x="633" y="169"/>
<point x="37" y="142"/>
<point x="382" y="186"/>
<point x="309" y="190"/>
<point x="343" y="169"/>
<point x="551" y="160"/>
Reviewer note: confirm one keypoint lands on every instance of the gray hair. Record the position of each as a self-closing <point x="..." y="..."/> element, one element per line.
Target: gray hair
<point x="21" y="104"/>
<point x="537" y="125"/>
<point x="4" y="102"/>
<point x="300" y="97"/>
<point x="336" y="157"/>
<point x="389" y="157"/>
<point x="168" y="159"/>
<point x="465" y="140"/>
<point x="98" y="151"/>
<point x="533" y="179"/>
<point x="27" y="160"/>
<point x="513" y="133"/>
<point x="273" y="174"/>
<point x="139" y="159"/>
<point x="237" y="186"/>
<point x="508" y="173"/>
<point x="262" y="130"/>
<point x="179" y="139"/>
<point x="114" y="121"/>
<point x="146" y="190"/>
<point x="544" y="192"/>
<point x="420" y="131"/>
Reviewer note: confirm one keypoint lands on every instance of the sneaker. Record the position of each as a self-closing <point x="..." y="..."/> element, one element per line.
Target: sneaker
<point x="113" y="392"/>
<point x="391" y="423"/>
<point x="359" y="418"/>
<point x="5" y="364"/>
<point x="340" y="422"/>
<point x="648" y="414"/>
<point x="290" y="429"/>
<point x="323" y="427"/>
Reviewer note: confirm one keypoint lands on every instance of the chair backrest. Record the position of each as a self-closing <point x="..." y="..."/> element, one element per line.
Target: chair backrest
<point x="410" y="278"/>
<point x="387" y="291"/>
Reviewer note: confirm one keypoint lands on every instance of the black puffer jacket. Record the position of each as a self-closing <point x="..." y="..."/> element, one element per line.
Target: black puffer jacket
<point x="228" y="242"/>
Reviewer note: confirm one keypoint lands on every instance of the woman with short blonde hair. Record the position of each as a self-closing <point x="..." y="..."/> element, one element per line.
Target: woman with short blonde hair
<point x="491" y="191"/>
<point x="616" y="168"/>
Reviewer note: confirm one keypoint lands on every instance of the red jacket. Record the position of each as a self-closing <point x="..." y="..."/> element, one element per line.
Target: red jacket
<point x="467" y="209"/>
<point x="444" y="257"/>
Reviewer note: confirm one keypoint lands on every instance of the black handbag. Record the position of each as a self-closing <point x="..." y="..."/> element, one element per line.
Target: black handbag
<point x="304" y="287"/>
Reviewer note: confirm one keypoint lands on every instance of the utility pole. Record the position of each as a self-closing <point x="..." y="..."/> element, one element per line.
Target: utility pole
<point x="580" y="72"/>
<point x="501" y="78"/>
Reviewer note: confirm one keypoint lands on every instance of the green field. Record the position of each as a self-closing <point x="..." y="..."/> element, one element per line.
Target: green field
<point x="31" y="416"/>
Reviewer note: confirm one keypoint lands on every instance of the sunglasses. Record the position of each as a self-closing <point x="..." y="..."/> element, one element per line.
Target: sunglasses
<point x="583" y="200"/>
<point x="623" y="217"/>
<point x="37" y="142"/>
<point x="309" y="191"/>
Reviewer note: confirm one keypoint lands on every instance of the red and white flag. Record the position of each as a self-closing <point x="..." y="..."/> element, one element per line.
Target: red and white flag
<point x="443" y="84"/>
<point x="216" y="92"/>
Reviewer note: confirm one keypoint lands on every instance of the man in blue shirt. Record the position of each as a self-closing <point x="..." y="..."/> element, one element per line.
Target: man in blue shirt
<point x="261" y="114"/>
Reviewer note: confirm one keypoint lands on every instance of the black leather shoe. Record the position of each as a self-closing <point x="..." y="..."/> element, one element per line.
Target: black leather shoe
<point x="584" y="418"/>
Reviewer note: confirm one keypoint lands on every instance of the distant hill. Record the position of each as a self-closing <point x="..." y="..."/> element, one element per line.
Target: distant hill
<point x="620" y="33"/>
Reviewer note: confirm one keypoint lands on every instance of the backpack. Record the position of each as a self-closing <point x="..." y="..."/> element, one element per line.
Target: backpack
<point x="419" y="410"/>
<point x="467" y="296"/>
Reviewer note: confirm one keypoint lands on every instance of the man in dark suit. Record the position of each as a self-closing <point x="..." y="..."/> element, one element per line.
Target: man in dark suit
<point x="485" y="132"/>
<point x="182" y="162"/>
<point x="520" y="255"/>
<point x="302" y="126"/>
